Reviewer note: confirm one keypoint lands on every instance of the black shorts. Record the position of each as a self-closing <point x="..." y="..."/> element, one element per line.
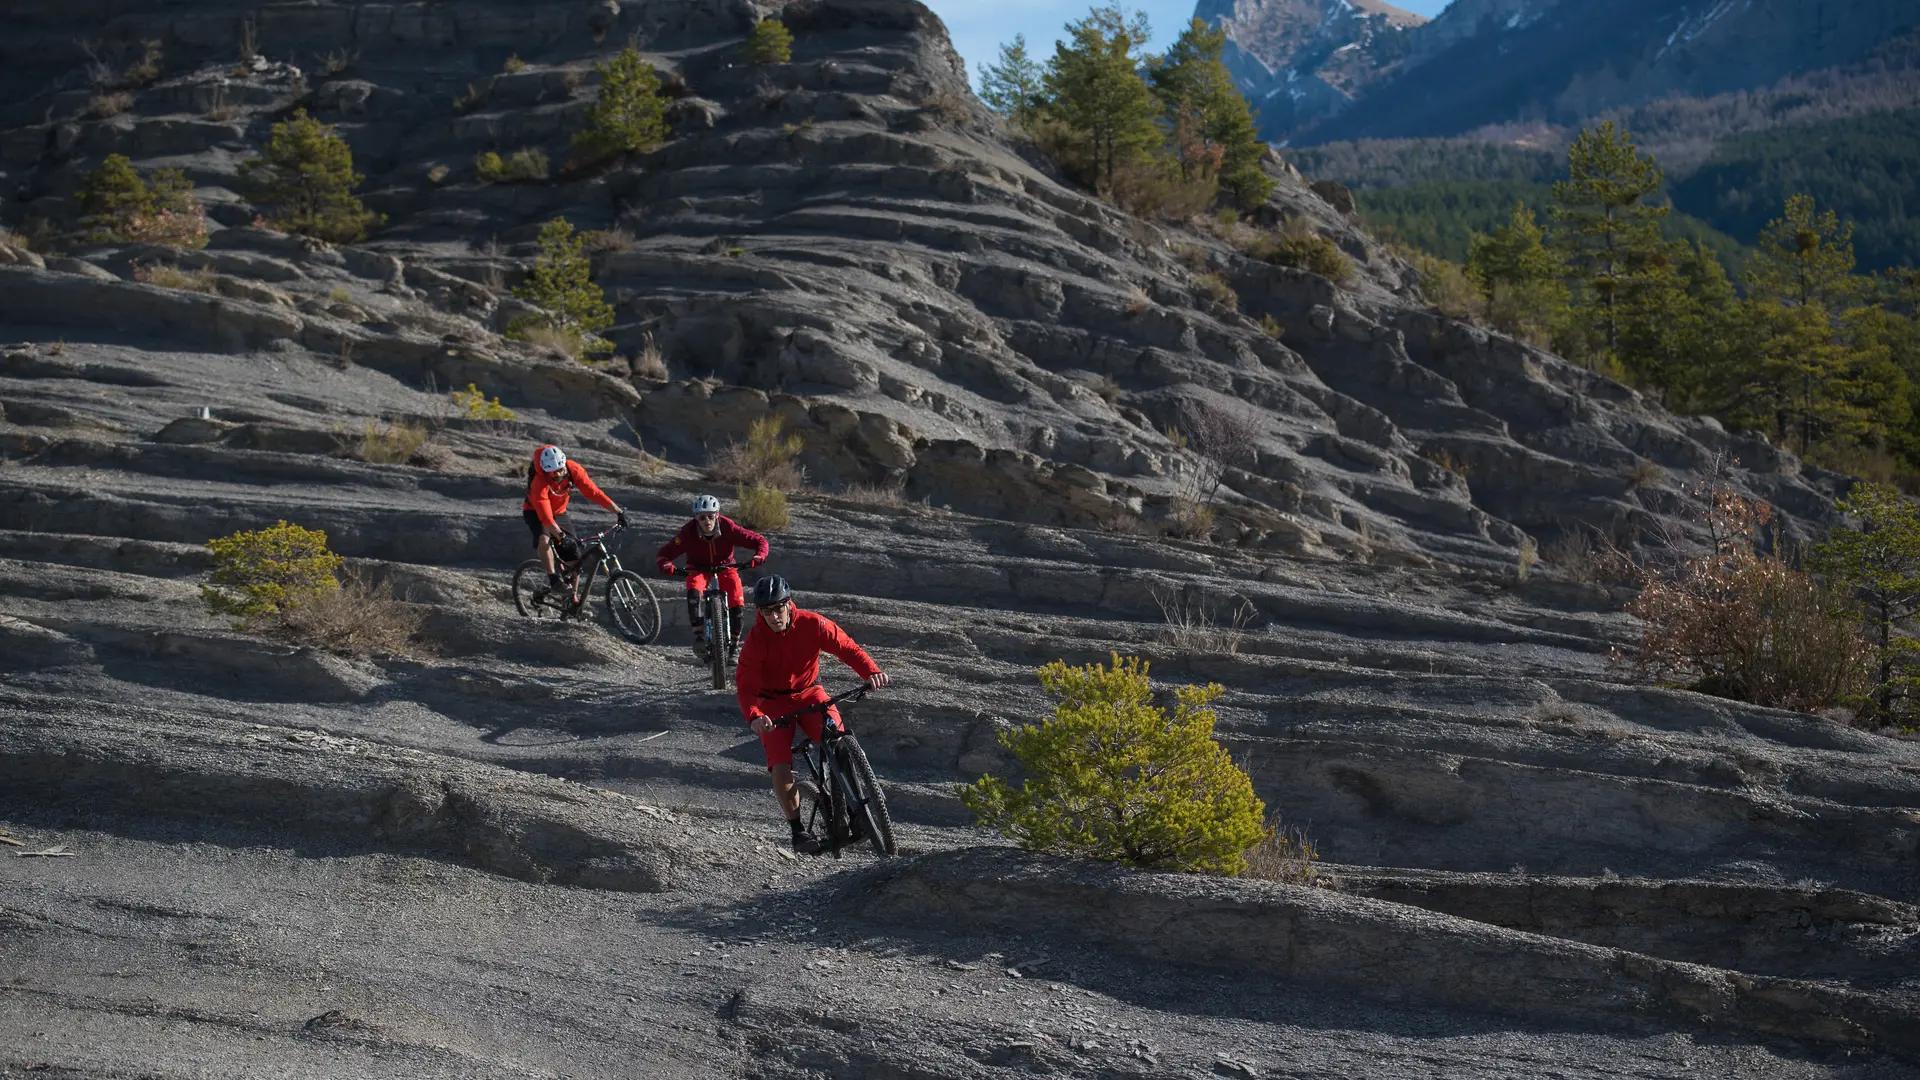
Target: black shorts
<point x="533" y="524"/>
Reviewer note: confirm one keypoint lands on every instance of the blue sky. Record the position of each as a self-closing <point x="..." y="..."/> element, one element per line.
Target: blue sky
<point x="979" y="27"/>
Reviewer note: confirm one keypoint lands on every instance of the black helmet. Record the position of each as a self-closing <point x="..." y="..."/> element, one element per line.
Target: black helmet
<point x="770" y="591"/>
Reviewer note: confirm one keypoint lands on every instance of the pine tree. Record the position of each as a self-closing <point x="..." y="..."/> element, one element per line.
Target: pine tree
<point x="305" y="175"/>
<point x="630" y="116"/>
<point x="572" y="307"/>
<point x="1880" y="563"/>
<point x="112" y="193"/>
<point x="770" y="43"/>
<point x="1607" y="229"/>
<point x="1015" y="87"/>
<point x="1214" y="130"/>
<point x="1094" y="83"/>
<point x="1706" y="335"/>
<point x="120" y="206"/>
<point x="1519" y="277"/>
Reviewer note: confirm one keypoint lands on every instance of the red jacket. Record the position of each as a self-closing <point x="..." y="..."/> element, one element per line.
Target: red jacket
<point x="710" y="550"/>
<point x="775" y="666"/>
<point x="547" y="496"/>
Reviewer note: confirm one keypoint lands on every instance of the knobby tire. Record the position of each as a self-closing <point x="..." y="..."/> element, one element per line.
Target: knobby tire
<point x="528" y="578"/>
<point x="632" y="607"/>
<point x="869" y="802"/>
<point x="717" y="643"/>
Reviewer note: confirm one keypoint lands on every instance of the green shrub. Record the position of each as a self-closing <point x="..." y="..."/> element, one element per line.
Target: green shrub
<point x="770" y="43"/>
<point x="120" y="206"/>
<point x="1112" y="776"/>
<point x="514" y="65"/>
<point x="475" y="405"/>
<point x="572" y="307"/>
<point x="765" y="459"/>
<point x="1303" y="250"/>
<point x="525" y="164"/>
<point x="263" y="573"/>
<point x="630" y="117"/>
<point x="763" y="508"/>
<point x="305" y="177"/>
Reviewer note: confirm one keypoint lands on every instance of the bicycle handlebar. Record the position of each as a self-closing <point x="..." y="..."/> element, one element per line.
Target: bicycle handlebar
<point x="692" y="569"/>
<point x="854" y="694"/>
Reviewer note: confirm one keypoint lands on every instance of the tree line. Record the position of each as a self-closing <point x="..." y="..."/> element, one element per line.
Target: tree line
<point x="1156" y="133"/>
<point x="1824" y="360"/>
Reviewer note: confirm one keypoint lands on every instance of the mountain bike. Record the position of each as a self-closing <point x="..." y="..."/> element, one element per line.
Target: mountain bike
<point x="631" y="606"/>
<point x="844" y="795"/>
<point x="713" y="608"/>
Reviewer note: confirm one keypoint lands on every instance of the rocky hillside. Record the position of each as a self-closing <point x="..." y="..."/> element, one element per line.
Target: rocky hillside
<point x="535" y="850"/>
<point x="1484" y="62"/>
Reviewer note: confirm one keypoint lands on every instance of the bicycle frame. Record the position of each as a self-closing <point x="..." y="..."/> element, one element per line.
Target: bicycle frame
<point x="593" y="557"/>
<point x="820" y="763"/>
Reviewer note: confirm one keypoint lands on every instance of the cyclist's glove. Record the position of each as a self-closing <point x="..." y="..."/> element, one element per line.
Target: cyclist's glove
<point x="620" y="518"/>
<point x="672" y="570"/>
<point x="755" y="561"/>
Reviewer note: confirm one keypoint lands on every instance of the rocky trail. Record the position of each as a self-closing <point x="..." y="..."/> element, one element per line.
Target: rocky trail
<point x="538" y="850"/>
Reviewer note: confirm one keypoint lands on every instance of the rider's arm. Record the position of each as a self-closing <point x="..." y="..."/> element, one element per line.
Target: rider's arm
<point x="744" y="537"/>
<point x="835" y="640"/>
<point x="542" y="508"/>
<point x="670" y="551"/>
<point x="746" y="677"/>
<point x="589" y="488"/>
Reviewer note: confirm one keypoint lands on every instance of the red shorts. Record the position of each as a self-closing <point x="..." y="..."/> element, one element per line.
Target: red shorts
<point x="778" y="742"/>
<point x="729" y="580"/>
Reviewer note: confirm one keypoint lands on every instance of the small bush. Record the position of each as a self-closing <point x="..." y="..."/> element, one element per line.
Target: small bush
<point x="1643" y="474"/>
<point x="1445" y="458"/>
<point x="1271" y="327"/>
<point x="1138" y="301"/>
<point x="602" y="241"/>
<point x="765" y="459"/>
<point x="202" y="280"/>
<point x="107" y="106"/>
<point x="1444" y="284"/>
<point x="630" y="116"/>
<point x="523" y="165"/>
<point x="119" y="206"/>
<point x="474" y="405"/>
<point x="1214" y="287"/>
<point x="356" y="619"/>
<point x="1286" y="855"/>
<point x="471" y="100"/>
<point x="146" y="70"/>
<point x="1195" y="626"/>
<point x="339" y="294"/>
<point x="1526" y="558"/>
<point x="1113" y="776"/>
<point x="1191" y="519"/>
<point x="1302" y="250"/>
<point x="649" y="364"/>
<point x="259" y="575"/>
<point x="875" y="494"/>
<point x="763" y="508"/>
<point x="770" y="43"/>
<point x="390" y="444"/>
<point x="514" y="65"/>
<point x="305" y="176"/>
<point x="1743" y="624"/>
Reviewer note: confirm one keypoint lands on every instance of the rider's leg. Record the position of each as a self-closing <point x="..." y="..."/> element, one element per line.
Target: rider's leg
<point x="736" y="607"/>
<point x="695" y="618"/>
<point x="735" y="616"/>
<point x="784" y="793"/>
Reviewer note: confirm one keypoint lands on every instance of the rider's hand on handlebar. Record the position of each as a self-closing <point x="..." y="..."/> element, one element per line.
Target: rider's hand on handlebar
<point x="877" y="680"/>
<point x="760" y="725"/>
<point x="620" y="518"/>
<point x="672" y="571"/>
<point x="755" y="561"/>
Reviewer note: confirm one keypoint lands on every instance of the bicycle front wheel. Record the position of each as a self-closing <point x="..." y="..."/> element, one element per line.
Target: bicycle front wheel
<point x="632" y="607"/>
<point x="868" y="804"/>
<point x="530" y="595"/>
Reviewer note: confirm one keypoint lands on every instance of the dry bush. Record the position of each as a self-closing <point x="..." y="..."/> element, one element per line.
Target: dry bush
<point x="875" y="494"/>
<point x="1643" y="474"/>
<point x="1103" y="387"/>
<point x="1138" y="301"/>
<point x="1221" y="440"/>
<point x="1583" y="555"/>
<point x="764" y="460"/>
<point x="357" y="619"/>
<point x="471" y="100"/>
<point x="390" y="444"/>
<point x="1157" y="190"/>
<point x="1193" y="257"/>
<point x="1444" y="458"/>
<point x="603" y="241"/>
<point x="438" y="174"/>
<point x="762" y="508"/>
<point x="1191" y="519"/>
<point x="185" y="227"/>
<point x="1741" y="623"/>
<point x="146" y="70"/>
<point x="1214" y="286"/>
<point x="1271" y="327"/>
<point x="948" y="106"/>
<point x="167" y="277"/>
<point x="1526" y="558"/>
<point x="1286" y="855"/>
<point x="649" y="364"/>
<point x="105" y="106"/>
<point x="1444" y="284"/>
<point x="561" y="341"/>
<point x="514" y="65"/>
<point x="336" y="61"/>
<point x="1196" y="625"/>
<point x="1296" y="246"/>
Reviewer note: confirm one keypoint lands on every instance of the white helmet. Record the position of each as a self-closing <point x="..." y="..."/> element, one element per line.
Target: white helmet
<point x="706" y="504"/>
<point x="552" y="460"/>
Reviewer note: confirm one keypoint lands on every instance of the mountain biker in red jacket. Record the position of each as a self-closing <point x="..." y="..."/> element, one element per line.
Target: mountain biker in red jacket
<point x="551" y="480"/>
<point x="709" y="540"/>
<point x="779" y="674"/>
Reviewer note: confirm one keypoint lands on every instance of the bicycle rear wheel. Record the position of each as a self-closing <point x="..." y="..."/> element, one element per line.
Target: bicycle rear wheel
<point x="632" y="607"/>
<point x="530" y="594"/>
<point x="867" y="804"/>
<point x="717" y="642"/>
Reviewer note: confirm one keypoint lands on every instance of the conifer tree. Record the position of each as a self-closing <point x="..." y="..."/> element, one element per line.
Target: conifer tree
<point x="1096" y="91"/>
<point x="560" y="284"/>
<point x="120" y="206"/>
<point x="305" y="176"/>
<point x="1608" y="229"/>
<point x="1879" y="561"/>
<point x="1214" y="131"/>
<point x="630" y="116"/>
<point x="1519" y="277"/>
<point x="1015" y="87"/>
<point x="770" y="43"/>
